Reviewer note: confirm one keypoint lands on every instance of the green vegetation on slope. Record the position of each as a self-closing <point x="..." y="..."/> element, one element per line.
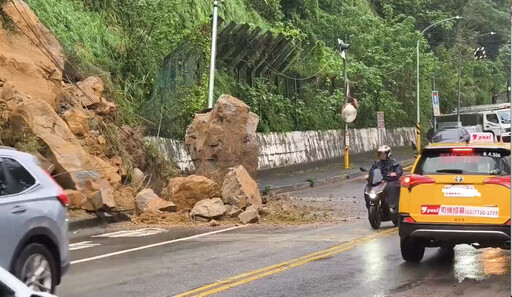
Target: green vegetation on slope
<point x="125" y="42"/>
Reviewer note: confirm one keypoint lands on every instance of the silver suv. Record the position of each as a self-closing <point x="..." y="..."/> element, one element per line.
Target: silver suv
<point x="33" y="220"/>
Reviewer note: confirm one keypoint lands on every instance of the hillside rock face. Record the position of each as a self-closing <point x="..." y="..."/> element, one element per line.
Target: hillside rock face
<point x="31" y="91"/>
<point x="223" y="138"/>
<point x="31" y="70"/>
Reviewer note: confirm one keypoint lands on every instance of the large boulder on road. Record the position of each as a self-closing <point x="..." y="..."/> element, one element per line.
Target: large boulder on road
<point x="185" y="192"/>
<point x="223" y="138"/>
<point x="240" y="189"/>
<point x="250" y="215"/>
<point x="208" y="209"/>
<point x="147" y="200"/>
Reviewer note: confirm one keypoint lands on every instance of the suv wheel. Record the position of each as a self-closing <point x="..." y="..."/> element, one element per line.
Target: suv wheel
<point x="412" y="251"/>
<point x="36" y="267"/>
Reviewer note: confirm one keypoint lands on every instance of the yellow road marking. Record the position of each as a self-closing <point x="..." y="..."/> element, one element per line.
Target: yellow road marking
<point x="269" y="270"/>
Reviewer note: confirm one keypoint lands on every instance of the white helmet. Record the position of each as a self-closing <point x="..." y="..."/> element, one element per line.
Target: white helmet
<point x="385" y="149"/>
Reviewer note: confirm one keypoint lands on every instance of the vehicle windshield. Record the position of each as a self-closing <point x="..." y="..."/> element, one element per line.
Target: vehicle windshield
<point x="449" y="135"/>
<point x="376" y="176"/>
<point x="475" y="162"/>
<point x="504" y="116"/>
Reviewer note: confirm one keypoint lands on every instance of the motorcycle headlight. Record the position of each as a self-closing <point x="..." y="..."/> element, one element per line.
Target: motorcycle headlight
<point x="372" y="195"/>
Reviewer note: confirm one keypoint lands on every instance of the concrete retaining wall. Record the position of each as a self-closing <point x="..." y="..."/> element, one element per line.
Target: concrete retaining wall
<point x="283" y="149"/>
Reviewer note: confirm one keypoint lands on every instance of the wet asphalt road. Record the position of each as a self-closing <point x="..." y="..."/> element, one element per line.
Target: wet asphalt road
<point x="348" y="259"/>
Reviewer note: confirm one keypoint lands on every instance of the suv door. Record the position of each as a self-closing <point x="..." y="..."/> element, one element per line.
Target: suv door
<point x="16" y="184"/>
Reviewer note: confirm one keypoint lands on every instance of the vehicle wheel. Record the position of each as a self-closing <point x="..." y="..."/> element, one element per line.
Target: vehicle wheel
<point x="374" y="217"/>
<point x="36" y="267"/>
<point x="411" y="250"/>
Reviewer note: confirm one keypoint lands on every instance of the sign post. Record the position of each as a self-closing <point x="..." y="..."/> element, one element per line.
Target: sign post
<point x="380" y="126"/>
<point x="435" y="106"/>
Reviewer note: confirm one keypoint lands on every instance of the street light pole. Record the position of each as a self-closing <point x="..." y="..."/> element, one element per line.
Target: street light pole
<point x="213" y="53"/>
<point x="418" y="126"/>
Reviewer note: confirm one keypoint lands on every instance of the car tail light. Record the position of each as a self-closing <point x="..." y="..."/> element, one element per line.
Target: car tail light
<point x="501" y="180"/>
<point x="408" y="220"/>
<point x="410" y="181"/>
<point x="63" y="198"/>
<point x="462" y="150"/>
<point x="507" y="223"/>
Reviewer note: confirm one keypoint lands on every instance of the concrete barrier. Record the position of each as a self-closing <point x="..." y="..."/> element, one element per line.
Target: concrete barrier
<point x="299" y="147"/>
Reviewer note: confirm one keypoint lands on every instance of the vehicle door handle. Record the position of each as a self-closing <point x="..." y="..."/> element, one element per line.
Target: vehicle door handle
<point x="18" y="209"/>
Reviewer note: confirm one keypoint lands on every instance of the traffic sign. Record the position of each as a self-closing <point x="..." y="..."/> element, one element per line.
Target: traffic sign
<point x="380" y="120"/>
<point x="435" y="103"/>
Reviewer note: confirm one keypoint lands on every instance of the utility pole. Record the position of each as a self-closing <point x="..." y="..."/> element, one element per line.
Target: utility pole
<point x="213" y="53"/>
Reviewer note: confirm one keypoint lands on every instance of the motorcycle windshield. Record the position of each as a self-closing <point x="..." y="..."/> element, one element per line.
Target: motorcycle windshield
<point x="376" y="177"/>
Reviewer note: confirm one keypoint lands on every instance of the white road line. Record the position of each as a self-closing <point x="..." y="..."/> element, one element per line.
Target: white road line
<point x="82" y="245"/>
<point x="132" y="233"/>
<point x="154" y="245"/>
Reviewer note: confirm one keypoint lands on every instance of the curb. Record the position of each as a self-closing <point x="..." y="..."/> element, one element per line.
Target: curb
<point x="76" y="224"/>
<point x="321" y="182"/>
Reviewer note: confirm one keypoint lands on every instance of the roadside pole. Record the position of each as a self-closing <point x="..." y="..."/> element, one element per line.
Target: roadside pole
<point x="458" y="93"/>
<point x="347" y="137"/>
<point x="342" y="46"/>
<point x="213" y="53"/>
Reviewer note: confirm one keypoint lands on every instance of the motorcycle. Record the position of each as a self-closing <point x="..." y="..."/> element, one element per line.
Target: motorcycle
<point x="374" y="193"/>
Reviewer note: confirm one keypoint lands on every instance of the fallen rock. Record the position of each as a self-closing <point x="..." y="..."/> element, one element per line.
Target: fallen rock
<point x="77" y="122"/>
<point x="240" y="189"/>
<point x="92" y="193"/>
<point x="250" y="215"/>
<point x="208" y="208"/>
<point x="147" y="200"/>
<point x="214" y="223"/>
<point x="137" y="177"/>
<point x="234" y="211"/>
<point x="107" y="194"/>
<point x="45" y="163"/>
<point x="88" y="93"/>
<point x="29" y="69"/>
<point x="76" y="199"/>
<point x="105" y="107"/>
<point x="106" y="170"/>
<point x="73" y="164"/>
<point x="223" y="138"/>
<point x="185" y="192"/>
<point x="101" y="140"/>
<point x="201" y="219"/>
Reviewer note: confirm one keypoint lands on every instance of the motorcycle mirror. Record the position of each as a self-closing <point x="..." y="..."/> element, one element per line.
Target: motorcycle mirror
<point x="362" y="169"/>
<point x="414" y="146"/>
